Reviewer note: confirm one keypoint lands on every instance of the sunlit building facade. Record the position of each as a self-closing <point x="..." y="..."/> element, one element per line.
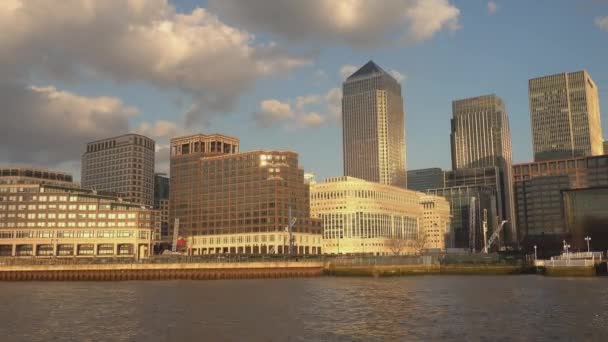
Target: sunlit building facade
<point x="435" y="222"/>
<point x="228" y="202"/>
<point x="565" y="115"/>
<point x="43" y="220"/>
<point x="373" y="124"/>
<point x="361" y="217"/>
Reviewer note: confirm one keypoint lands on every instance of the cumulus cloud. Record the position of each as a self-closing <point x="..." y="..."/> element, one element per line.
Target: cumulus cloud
<point x="492" y="7"/>
<point x="298" y="112"/>
<point x="272" y="111"/>
<point x="137" y="41"/>
<point x="359" y="23"/>
<point x="46" y="126"/>
<point x="602" y="23"/>
<point x="161" y="129"/>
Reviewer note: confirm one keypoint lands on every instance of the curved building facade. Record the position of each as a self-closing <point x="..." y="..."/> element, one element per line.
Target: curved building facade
<point x="365" y="217"/>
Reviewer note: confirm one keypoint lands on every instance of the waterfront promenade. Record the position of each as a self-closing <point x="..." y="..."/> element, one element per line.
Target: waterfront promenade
<point x="242" y="267"/>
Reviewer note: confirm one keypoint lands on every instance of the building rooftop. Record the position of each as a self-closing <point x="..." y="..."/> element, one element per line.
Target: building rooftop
<point x="370" y="68"/>
<point x="31" y="172"/>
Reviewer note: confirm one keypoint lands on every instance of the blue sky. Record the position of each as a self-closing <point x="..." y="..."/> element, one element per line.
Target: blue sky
<point x="475" y="52"/>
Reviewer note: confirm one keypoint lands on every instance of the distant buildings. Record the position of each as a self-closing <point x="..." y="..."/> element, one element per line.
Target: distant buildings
<point x="425" y="179"/>
<point x="161" y="204"/>
<point x="123" y="165"/>
<point x="586" y="215"/>
<point x="373" y="123"/>
<point x="232" y="202"/>
<point x="565" y="115"/>
<point x="42" y="214"/>
<point x="542" y="190"/>
<point x="361" y="217"/>
<point x="473" y="195"/>
<point x="481" y="139"/>
<point x="606" y="147"/>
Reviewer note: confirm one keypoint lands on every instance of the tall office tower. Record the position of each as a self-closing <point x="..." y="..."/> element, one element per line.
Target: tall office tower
<point x="123" y="165"/>
<point x="481" y="138"/>
<point x="373" y="124"/>
<point x="186" y="181"/>
<point x="565" y="114"/>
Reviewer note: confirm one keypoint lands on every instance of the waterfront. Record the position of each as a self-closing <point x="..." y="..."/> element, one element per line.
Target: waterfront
<point x="424" y="308"/>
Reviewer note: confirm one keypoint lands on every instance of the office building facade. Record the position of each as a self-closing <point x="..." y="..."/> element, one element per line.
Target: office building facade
<point x="474" y="196"/>
<point x="229" y="202"/>
<point x="40" y="218"/>
<point x="481" y="138"/>
<point x="373" y="124"/>
<point x="425" y="179"/>
<point x="361" y="217"/>
<point x="435" y="222"/>
<point x="540" y="188"/>
<point x="123" y="165"/>
<point x="565" y="116"/>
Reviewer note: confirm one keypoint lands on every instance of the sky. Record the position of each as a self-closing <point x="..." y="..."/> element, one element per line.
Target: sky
<point x="270" y="71"/>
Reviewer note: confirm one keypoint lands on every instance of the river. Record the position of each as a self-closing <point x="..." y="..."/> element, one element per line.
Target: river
<point x="420" y="308"/>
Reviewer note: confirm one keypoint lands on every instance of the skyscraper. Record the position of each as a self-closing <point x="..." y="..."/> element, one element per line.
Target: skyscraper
<point x="123" y="164"/>
<point x="565" y="114"/>
<point x="481" y="138"/>
<point x="480" y="133"/>
<point x="373" y="123"/>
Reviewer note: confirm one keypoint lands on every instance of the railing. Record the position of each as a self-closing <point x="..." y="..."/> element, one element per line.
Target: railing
<point x="561" y="263"/>
<point x="579" y="255"/>
<point x="8" y="261"/>
<point x="351" y="260"/>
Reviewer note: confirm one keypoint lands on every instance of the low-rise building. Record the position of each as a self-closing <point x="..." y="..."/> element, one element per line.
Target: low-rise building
<point x="55" y="219"/>
<point x="361" y="217"/>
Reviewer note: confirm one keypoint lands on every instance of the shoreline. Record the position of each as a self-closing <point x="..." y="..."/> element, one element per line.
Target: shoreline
<point x="274" y="269"/>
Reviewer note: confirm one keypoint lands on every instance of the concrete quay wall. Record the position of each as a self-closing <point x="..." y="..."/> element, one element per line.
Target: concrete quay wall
<point x="117" y="272"/>
<point x="404" y="270"/>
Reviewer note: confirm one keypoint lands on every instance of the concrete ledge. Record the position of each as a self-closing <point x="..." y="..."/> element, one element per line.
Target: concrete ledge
<point x="570" y="271"/>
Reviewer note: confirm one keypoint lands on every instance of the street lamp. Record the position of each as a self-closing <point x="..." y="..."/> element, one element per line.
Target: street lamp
<point x="588" y="239"/>
<point x="535" y="256"/>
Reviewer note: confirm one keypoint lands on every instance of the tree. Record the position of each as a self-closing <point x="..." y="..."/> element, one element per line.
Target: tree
<point x="397" y="246"/>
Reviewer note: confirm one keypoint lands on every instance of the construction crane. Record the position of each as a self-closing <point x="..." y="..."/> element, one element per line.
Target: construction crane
<point x="472" y="224"/>
<point x="289" y="229"/>
<point x="494" y="236"/>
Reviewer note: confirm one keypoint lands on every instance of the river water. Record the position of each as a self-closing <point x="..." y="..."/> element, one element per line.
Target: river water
<point x="421" y="308"/>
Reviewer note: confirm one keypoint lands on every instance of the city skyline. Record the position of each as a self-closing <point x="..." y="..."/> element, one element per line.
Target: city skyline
<point x="295" y="82"/>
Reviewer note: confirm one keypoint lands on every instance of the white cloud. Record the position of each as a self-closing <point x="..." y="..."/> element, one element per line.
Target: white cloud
<point x="602" y="23"/>
<point x="274" y="112"/>
<point x="492" y="7"/>
<point x="359" y="23"/>
<point x="347" y="70"/>
<point x="161" y="129"/>
<point x="312" y="119"/>
<point x="137" y="41"/>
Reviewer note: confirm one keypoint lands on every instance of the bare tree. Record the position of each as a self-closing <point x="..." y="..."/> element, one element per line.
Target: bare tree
<point x="396" y="245"/>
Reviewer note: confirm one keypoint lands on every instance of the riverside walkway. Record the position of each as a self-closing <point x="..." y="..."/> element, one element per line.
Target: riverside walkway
<point x="16" y="269"/>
